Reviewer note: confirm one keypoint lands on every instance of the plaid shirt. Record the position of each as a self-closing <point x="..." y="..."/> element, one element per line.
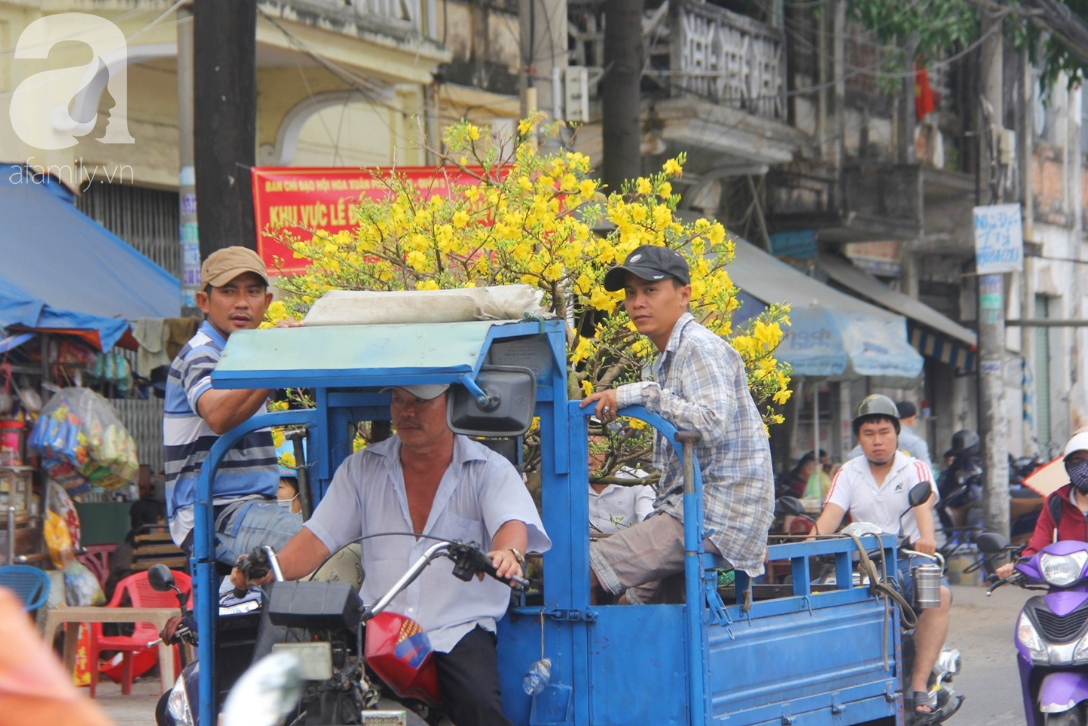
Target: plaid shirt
<point x="699" y="384"/>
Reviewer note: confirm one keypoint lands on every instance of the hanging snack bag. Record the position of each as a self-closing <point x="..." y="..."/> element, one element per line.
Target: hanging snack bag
<point x="81" y="440"/>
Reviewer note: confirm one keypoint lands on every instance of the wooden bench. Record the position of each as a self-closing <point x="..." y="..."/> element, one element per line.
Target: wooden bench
<point x="156" y="547"/>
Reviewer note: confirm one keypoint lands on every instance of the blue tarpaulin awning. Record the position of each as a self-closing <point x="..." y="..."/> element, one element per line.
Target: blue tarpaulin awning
<point x="64" y="271"/>
<point x="832" y="335"/>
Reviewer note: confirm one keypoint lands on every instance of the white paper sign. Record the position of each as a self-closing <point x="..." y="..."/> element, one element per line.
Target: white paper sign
<point x="999" y="239"/>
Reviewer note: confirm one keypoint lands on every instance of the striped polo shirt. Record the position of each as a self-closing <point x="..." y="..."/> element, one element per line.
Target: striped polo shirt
<point x="249" y="470"/>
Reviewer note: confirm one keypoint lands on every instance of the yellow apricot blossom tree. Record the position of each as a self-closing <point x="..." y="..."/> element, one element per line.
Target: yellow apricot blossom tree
<point x="540" y="219"/>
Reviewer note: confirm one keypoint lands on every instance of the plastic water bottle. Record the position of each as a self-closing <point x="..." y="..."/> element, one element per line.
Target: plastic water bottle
<point x="536" y="679"/>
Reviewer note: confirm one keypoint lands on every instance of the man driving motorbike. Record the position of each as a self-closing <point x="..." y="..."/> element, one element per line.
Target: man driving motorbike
<point x="1069" y="503"/>
<point x="428" y="481"/>
<point x="874" y="488"/>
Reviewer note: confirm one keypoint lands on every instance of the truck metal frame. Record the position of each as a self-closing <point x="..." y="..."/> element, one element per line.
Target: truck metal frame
<point x="804" y="658"/>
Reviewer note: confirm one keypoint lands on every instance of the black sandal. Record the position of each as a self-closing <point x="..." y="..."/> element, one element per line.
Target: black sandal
<point x="923" y="698"/>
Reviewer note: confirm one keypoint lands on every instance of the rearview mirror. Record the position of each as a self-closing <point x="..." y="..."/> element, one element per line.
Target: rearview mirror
<point x="511" y="399"/>
<point x="919" y="493"/>
<point x="990" y="543"/>
<point x="160" y="578"/>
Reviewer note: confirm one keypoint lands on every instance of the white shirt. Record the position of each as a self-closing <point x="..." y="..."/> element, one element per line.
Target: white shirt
<point x="856" y="491"/>
<point x="619" y="507"/>
<point x="479" y="492"/>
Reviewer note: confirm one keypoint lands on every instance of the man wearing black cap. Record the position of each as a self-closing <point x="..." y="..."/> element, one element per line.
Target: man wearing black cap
<point x="698" y="384"/>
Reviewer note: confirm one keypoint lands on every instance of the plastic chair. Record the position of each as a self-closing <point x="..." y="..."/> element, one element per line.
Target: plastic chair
<point x="30" y="584"/>
<point x="97" y="559"/>
<point x="140" y="594"/>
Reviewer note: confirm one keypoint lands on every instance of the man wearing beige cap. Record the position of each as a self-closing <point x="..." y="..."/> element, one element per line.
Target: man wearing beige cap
<point x="234" y="296"/>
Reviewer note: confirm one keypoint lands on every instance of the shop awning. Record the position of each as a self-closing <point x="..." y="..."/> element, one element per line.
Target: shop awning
<point x="21" y="311"/>
<point x="64" y="271"/>
<point x="932" y="334"/>
<point x="832" y="335"/>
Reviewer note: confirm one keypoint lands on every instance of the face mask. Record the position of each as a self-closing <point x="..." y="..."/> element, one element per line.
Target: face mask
<point x="1078" y="474"/>
<point x="286" y="503"/>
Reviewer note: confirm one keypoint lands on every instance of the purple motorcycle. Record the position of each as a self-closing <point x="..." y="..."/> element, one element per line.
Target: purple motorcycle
<point x="1052" y="631"/>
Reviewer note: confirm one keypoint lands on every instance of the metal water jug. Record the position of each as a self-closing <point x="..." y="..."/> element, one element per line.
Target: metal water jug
<point x="927" y="586"/>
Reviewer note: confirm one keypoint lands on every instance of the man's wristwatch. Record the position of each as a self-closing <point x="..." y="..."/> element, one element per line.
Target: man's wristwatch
<point x="518" y="556"/>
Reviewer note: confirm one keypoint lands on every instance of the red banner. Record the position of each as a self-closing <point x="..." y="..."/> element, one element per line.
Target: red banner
<point x="303" y="200"/>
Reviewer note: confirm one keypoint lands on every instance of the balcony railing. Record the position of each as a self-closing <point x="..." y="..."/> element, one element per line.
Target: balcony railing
<point x="698" y="49"/>
<point x="402" y="17"/>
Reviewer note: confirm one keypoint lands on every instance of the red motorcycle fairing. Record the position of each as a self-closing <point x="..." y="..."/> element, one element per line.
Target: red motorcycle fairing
<point x="400" y="653"/>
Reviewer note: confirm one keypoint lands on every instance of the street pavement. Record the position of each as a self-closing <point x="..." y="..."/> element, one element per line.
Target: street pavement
<point x="137" y="709"/>
<point x="981" y="628"/>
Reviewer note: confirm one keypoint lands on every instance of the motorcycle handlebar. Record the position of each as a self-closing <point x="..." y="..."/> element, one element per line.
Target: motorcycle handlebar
<point x="182" y="635"/>
<point x="1014" y="579"/>
<point x="255" y="566"/>
<point x="468" y="560"/>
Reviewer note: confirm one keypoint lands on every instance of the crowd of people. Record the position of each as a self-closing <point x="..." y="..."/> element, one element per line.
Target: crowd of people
<point x="427" y="480"/>
<point x="436" y="483"/>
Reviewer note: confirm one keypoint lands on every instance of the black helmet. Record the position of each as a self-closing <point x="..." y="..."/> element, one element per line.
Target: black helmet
<point x="876" y="406"/>
<point x="964" y="441"/>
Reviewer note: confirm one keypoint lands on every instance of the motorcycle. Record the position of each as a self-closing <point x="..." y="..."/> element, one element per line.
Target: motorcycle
<point x="927" y="577"/>
<point x="1051" y="631"/>
<point x="355" y="663"/>
<point x="239" y="616"/>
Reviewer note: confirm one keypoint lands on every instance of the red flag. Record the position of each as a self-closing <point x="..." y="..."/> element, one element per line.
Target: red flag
<point x="924" y="100"/>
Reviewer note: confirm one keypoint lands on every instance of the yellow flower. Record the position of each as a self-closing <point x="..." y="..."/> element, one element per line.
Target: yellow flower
<point x="587" y="387"/>
<point x="602" y="300"/>
<point x="643" y="186"/>
<point x="460" y="219"/>
<point x="587" y="189"/>
<point x="472" y="132"/>
<point x="672" y="168"/>
<point x="583" y="350"/>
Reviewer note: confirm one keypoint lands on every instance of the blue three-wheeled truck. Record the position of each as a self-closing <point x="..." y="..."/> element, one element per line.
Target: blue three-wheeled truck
<point x="730" y="656"/>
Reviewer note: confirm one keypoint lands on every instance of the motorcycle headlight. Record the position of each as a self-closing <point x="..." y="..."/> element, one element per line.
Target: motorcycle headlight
<point x="178" y="704"/>
<point x="1029" y="637"/>
<point x="1062" y="570"/>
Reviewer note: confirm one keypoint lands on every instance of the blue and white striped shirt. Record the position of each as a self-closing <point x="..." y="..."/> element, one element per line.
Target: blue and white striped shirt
<point x="700" y="385"/>
<point x="249" y="470"/>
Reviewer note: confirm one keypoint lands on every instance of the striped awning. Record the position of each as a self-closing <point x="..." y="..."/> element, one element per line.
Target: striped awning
<point x="941" y="347"/>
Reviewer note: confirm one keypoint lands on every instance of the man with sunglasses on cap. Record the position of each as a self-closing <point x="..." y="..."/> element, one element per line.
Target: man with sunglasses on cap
<point x="429" y="481"/>
<point x="698" y="384"/>
<point x="234" y="296"/>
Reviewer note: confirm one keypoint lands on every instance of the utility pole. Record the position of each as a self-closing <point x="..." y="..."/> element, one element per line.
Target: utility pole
<point x="225" y="78"/>
<point x="543" y="25"/>
<point x="188" y="229"/>
<point x="620" y="124"/>
<point x="993" y="424"/>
